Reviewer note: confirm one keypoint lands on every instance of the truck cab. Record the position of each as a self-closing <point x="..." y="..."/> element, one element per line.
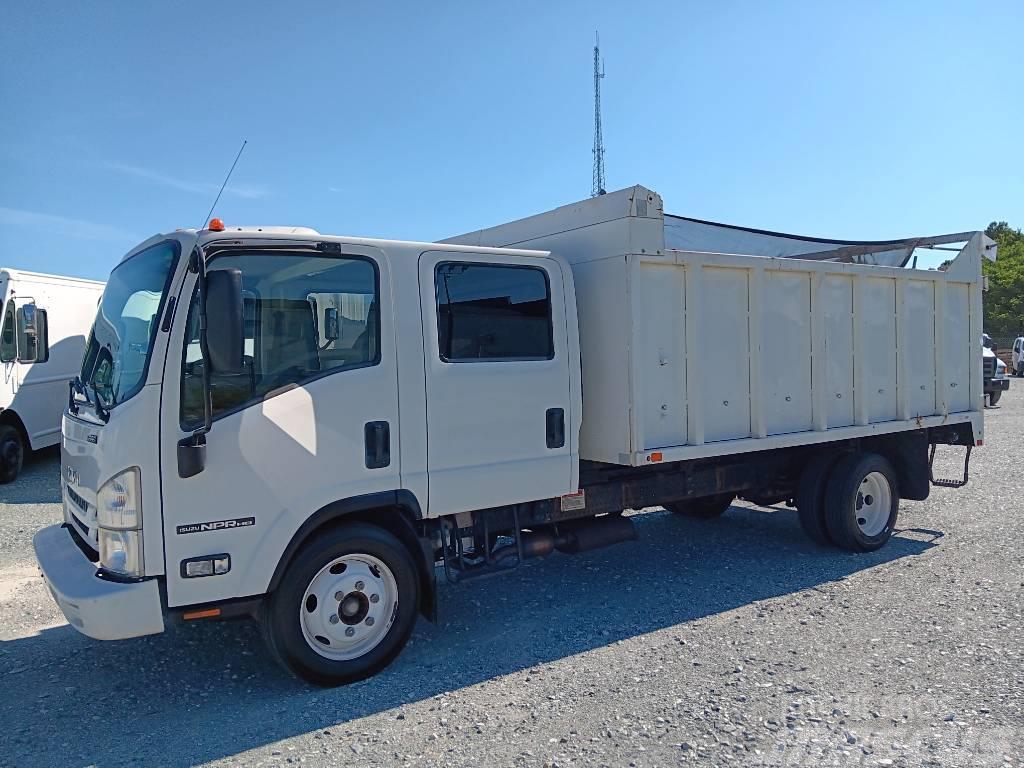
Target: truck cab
<point x="301" y="380"/>
<point x="996" y="380"/>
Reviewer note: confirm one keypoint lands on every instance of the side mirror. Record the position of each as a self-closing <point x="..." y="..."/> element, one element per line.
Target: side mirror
<point x="32" y="334"/>
<point x="331" y="327"/>
<point x="225" y="339"/>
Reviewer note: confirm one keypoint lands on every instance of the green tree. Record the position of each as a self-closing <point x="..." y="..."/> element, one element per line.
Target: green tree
<point x="1004" y="300"/>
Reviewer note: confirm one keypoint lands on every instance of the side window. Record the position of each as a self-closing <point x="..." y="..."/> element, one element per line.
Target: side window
<point x="488" y="312"/>
<point x="8" y="347"/>
<point x="305" y="316"/>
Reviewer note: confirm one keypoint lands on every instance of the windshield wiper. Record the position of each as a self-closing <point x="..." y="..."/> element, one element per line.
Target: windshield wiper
<point x="93" y="399"/>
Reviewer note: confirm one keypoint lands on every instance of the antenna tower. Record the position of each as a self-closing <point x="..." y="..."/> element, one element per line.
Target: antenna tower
<point x="597" y="187"/>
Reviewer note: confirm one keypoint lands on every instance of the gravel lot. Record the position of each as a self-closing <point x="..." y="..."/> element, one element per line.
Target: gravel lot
<point x="734" y="641"/>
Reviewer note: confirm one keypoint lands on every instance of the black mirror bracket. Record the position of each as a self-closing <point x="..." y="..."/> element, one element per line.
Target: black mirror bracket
<point x="192" y="454"/>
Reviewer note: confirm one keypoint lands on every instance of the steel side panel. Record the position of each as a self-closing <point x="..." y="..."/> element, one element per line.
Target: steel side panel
<point x="919" y="366"/>
<point x="661" y="353"/>
<point x="837" y="301"/>
<point x="786" y="352"/>
<point x="879" y="349"/>
<point x="961" y="352"/>
<point x="723" y="368"/>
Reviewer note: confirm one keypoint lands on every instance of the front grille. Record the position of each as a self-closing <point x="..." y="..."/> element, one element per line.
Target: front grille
<point x="81" y="503"/>
<point x="988" y="366"/>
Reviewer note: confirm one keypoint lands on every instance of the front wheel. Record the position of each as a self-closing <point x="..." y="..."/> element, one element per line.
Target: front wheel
<point x="862" y="501"/>
<point x="12" y="453"/>
<point x="704" y="508"/>
<point x="993" y="397"/>
<point x="345" y="607"/>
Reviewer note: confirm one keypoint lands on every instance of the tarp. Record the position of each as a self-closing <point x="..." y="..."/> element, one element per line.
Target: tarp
<point x="685" y="234"/>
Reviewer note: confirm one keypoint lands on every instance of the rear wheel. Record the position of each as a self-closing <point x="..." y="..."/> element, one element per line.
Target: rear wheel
<point x="705" y="508"/>
<point x="810" y="497"/>
<point x="12" y="452"/>
<point x="862" y="499"/>
<point x="345" y="607"/>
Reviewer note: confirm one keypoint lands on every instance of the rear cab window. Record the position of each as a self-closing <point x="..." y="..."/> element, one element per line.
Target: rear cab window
<point x="493" y="312"/>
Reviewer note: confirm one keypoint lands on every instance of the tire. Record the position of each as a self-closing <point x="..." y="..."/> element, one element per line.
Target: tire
<point x="12" y="453"/>
<point x="810" y="497"/>
<point x="329" y="641"/>
<point x="862" y="501"/>
<point x="993" y="397"/>
<point x="704" y="508"/>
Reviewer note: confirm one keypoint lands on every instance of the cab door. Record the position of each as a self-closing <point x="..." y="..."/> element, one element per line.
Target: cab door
<point x="312" y="419"/>
<point x="498" y="380"/>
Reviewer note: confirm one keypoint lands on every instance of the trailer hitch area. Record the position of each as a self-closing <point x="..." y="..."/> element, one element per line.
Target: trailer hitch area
<point x="946" y="483"/>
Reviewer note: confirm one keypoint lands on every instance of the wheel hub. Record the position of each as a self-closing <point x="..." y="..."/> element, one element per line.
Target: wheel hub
<point x="874" y="503"/>
<point x="353" y="608"/>
<point x="348" y="607"/>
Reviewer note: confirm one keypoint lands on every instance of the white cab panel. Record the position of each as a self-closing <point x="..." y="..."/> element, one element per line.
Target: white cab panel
<point x="278" y="460"/>
<point x="487" y="419"/>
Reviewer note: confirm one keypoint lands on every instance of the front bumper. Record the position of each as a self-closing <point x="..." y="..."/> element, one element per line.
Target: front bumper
<point x="101" y="609"/>
<point x="998" y="384"/>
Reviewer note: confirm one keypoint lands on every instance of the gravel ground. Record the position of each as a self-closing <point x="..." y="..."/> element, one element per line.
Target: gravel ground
<point x="730" y="642"/>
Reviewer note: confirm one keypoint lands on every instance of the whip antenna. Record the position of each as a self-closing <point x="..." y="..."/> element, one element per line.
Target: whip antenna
<point x="222" y="186"/>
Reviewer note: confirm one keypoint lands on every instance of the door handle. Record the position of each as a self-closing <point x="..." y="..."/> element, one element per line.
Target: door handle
<point x="377" y="435"/>
<point x="554" y="424"/>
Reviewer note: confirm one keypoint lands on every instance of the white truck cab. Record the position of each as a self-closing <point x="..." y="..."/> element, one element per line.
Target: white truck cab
<point x="1017" y="358"/>
<point x="43" y="323"/>
<point x="299" y="427"/>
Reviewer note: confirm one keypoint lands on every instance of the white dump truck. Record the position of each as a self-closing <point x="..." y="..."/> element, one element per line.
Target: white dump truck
<point x="44" y="320"/>
<point x="311" y="429"/>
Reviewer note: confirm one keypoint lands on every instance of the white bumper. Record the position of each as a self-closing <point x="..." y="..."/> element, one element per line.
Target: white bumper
<point x="101" y="609"/>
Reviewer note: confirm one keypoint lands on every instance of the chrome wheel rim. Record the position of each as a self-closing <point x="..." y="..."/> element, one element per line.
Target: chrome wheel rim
<point x="874" y="503"/>
<point x="348" y="607"/>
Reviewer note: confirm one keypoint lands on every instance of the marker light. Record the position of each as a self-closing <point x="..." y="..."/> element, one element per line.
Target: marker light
<point x="216" y="225"/>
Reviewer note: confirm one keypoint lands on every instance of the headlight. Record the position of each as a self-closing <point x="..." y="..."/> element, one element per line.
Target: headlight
<point x="119" y="518"/>
<point x="121" y="551"/>
<point x="118" y="502"/>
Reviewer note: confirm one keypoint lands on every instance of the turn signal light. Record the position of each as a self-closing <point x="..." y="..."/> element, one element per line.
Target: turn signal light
<point x="209" y="613"/>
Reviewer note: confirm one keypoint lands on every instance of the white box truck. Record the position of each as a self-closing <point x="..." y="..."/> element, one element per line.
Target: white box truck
<point x="301" y="428"/>
<point x="43" y="323"/>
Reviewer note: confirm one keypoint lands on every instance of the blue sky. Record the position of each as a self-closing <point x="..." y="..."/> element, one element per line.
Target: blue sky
<point x="422" y="120"/>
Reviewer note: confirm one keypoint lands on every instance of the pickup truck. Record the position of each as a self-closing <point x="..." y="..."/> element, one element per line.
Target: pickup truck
<point x="996" y="380"/>
<point x="311" y="430"/>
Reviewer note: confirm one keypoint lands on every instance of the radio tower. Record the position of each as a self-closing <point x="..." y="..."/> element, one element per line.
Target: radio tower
<point x="597" y="188"/>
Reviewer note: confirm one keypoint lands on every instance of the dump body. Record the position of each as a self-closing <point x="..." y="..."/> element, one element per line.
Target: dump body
<point x="690" y="354"/>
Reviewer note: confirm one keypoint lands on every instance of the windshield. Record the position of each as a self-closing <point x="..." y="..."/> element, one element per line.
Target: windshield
<point x="121" y="341"/>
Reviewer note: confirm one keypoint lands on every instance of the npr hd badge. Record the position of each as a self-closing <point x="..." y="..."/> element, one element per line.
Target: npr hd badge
<point x="217" y="525"/>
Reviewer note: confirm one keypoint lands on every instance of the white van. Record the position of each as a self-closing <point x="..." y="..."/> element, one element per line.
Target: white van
<point x="44" y="320"/>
